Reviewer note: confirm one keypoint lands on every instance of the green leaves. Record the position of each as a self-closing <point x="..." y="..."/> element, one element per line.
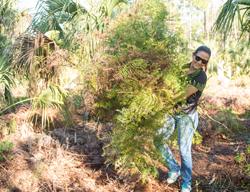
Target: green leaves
<point x="6" y="77"/>
<point x="53" y="13"/>
<point x="9" y="16"/>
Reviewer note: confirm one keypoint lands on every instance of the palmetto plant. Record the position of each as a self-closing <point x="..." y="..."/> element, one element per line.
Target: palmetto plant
<point x="52" y="98"/>
<point x="38" y="58"/>
<point x="231" y="10"/>
<point x="31" y="59"/>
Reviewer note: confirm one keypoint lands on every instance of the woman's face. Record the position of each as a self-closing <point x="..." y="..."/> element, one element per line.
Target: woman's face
<point x="198" y="59"/>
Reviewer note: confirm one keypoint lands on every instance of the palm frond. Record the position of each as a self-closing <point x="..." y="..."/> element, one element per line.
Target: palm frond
<point x="111" y="5"/>
<point x="52" y="14"/>
<point x="243" y="2"/>
<point x="228" y="14"/>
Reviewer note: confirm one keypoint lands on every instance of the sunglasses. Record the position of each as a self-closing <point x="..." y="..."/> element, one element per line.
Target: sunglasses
<point x="197" y="58"/>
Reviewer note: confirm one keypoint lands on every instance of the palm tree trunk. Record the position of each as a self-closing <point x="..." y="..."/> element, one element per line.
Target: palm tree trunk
<point x="223" y="39"/>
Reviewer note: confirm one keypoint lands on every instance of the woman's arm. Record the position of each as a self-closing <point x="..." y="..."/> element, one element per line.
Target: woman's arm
<point x="190" y="89"/>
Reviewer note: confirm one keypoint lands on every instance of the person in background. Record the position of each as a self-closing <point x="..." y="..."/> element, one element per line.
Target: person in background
<point x="237" y="72"/>
<point x="185" y="122"/>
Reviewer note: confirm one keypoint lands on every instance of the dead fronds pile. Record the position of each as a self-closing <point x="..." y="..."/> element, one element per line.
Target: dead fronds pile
<point x="41" y="163"/>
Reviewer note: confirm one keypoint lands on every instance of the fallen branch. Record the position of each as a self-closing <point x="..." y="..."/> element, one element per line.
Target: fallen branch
<point x="3" y="156"/>
<point x="218" y="122"/>
<point x="122" y="92"/>
<point x="212" y="180"/>
<point x="82" y="165"/>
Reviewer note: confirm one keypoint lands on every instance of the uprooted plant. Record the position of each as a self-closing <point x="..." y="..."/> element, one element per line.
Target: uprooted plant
<point x="136" y="80"/>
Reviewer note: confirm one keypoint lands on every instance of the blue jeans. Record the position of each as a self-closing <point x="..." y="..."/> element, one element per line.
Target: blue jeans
<point x="186" y="126"/>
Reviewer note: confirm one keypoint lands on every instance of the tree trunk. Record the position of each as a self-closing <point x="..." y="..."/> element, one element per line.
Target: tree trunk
<point x="170" y="12"/>
<point x="212" y="10"/>
<point x="205" y="25"/>
<point x="223" y="39"/>
<point x="185" y="19"/>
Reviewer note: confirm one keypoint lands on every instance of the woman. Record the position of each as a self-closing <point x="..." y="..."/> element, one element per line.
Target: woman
<point x="186" y="122"/>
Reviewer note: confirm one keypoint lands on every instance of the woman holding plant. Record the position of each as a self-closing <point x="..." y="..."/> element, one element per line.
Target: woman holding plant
<point x="185" y="121"/>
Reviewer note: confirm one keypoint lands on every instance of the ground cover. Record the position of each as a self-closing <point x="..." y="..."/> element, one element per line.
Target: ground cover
<point x="70" y="159"/>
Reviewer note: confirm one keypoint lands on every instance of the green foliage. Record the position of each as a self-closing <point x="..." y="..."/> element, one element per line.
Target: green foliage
<point x="243" y="159"/>
<point x="5" y="146"/>
<point x="239" y="158"/>
<point x="136" y="81"/>
<point x="197" y="138"/>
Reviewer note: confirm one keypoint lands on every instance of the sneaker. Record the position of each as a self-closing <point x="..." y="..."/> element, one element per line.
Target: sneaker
<point x="186" y="188"/>
<point x="173" y="176"/>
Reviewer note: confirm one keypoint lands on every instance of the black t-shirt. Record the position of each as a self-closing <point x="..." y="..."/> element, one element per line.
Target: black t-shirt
<point x="198" y="79"/>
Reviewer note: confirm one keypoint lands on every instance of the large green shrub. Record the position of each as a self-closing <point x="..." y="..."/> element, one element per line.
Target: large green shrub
<point x="136" y="80"/>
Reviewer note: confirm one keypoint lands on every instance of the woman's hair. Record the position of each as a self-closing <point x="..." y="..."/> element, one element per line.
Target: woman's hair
<point x="206" y="50"/>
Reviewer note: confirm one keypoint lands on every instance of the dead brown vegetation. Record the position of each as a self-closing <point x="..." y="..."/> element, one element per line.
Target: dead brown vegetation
<point x="70" y="159"/>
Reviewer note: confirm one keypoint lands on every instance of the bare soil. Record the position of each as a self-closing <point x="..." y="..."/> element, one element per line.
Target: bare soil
<point x="70" y="159"/>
